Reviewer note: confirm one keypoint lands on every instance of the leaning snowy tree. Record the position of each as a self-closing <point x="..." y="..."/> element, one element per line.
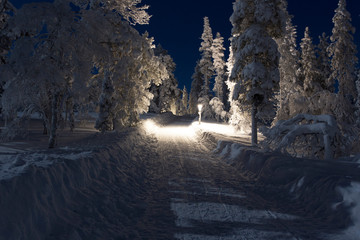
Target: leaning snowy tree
<point x="255" y="26"/>
<point x="342" y="51"/>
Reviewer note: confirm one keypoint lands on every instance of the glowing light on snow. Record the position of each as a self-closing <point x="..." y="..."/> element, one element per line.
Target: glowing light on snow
<point x="169" y="131"/>
<point x="188" y="130"/>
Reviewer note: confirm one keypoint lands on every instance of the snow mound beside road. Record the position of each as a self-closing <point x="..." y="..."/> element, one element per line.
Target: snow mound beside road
<point x="67" y="198"/>
<point x="313" y="187"/>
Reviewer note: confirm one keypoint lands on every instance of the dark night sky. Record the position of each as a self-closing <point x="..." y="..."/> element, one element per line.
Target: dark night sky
<point x="178" y="24"/>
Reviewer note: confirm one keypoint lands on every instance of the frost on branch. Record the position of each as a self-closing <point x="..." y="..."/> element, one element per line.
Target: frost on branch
<point x="304" y="136"/>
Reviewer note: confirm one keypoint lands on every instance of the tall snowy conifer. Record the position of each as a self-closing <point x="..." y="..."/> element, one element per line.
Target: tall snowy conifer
<point x="323" y="64"/>
<point x="206" y="68"/>
<point x="288" y="67"/>
<point x="309" y="71"/>
<point x="342" y="51"/>
<point x="196" y="86"/>
<point x="184" y="101"/>
<point x="357" y="113"/>
<point x="256" y="23"/>
<point x="220" y="68"/>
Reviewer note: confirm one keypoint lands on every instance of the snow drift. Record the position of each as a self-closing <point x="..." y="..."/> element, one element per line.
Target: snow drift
<point x="66" y="199"/>
<point x="320" y="189"/>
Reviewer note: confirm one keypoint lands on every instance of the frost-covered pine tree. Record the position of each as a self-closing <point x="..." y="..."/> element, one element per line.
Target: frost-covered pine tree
<point x="256" y="75"/>
<point x="206" y="68"/>
<point x="323" y="64"/>
<point x="342" y="51"/>
<point x="309" y="72"/>
<point x="218" y="49"/>
<point x="5" y="42"/>
<point x="196" y="85"/>
<point x="357" y="113"/>
<point x="184" y="101"/>
<point x="290" y="88"/>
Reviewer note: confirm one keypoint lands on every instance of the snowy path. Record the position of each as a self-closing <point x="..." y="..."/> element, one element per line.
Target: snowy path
<point x="208" y="198"/>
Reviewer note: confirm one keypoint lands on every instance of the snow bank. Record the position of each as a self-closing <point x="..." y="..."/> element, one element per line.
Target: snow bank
<point x="66" y="198"/>
<point x="310" y="185"/>
<point x="15" y="164"/>
<point x="351" y="198"/>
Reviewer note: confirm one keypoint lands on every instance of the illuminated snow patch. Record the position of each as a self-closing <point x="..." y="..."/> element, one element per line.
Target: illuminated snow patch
<point x="169" y="131"/>
<point x="188" y="131"/>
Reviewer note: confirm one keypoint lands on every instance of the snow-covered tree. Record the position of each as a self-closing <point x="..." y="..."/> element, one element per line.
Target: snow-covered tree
<point x="323" y="64"/>
<point x="196" y="85"/>
<point x="166" y="95"/>
<point x="309" y="72"/>
<point x="357" y="113"/>
<point x="184" y="101"/>
<point x="206" y="68"/>
<point x="128" y="9"/>
<point x="290" y="88"/>
<point x="342" y="51"/>
<point x="53" y="57"/>
<point x="218" y="49"/>
<point x="5" y="41"/>
<point x="256" y="57"/>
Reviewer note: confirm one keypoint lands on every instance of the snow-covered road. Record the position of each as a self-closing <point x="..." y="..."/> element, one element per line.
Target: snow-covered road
<point x="209" y="199"/>
<point x="173" y="179"/>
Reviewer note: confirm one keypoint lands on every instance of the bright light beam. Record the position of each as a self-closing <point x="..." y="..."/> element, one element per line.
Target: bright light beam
<point x="169" y="131"/>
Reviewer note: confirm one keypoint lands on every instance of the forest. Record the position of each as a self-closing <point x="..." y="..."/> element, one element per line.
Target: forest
<point x="67" y="59"/>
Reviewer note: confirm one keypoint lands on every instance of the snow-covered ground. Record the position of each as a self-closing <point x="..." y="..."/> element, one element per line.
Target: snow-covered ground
<point x="172" y="178"/>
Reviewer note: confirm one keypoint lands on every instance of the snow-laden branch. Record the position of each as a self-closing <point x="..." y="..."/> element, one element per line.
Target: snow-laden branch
<point x="284" y="133"/>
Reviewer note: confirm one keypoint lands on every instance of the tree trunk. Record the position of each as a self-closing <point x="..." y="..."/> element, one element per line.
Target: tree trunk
<point x="45" y="130"/>
<point x="254" y="139"/>
<point x="70" y="106"/>
<point x="54" y="120"/>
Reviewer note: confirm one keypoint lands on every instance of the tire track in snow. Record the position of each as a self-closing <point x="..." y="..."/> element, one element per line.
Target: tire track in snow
<point x="207" y="198"/>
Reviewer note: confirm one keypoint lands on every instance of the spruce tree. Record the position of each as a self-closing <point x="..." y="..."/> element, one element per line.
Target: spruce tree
<point x="196" y="86"/>
<point x="255" y="70"/>
<point x="342" y="51"/>
<point x="184" y="101"/>
<point x="220" y="68"/>
<point x="309" y="71"/>
<point x="288" y="66"/>
<point x="323" y="64"/>
<point x="206" y="68"/>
